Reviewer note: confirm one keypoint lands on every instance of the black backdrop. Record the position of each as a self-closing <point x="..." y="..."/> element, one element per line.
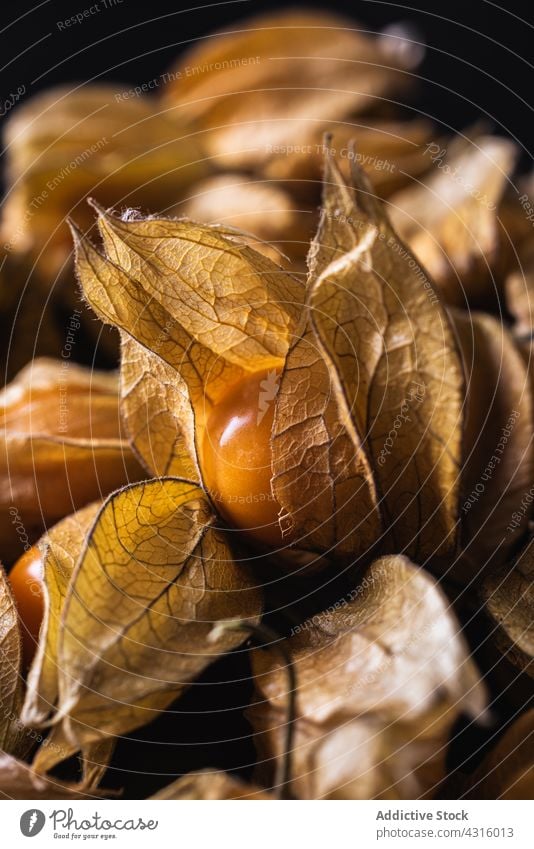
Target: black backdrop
<point x="479" y="58"/>
<point x="478" y="64"/>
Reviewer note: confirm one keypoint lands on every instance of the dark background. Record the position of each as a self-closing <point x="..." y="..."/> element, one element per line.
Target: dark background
<point x="478" y="65"/>
<point x="478" y="62"/>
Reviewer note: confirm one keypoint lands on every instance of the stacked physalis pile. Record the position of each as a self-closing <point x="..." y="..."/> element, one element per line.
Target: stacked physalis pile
<point x="249" y="483"/>
<point x="335" y="460"/>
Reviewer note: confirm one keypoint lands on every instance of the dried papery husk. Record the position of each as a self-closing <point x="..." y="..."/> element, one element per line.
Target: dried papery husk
<point x="12" y="737"/>
<point x="381" y="678"/>
<point x="211" y="785"/>
<point x="67" y="143"/>
<point x="153" y="577"/>
<point x="508" y="597"/>
<point x="60" y="548"/>
<point x="182" y="305"/>
<point x="507" y="772"/>
<point x="519" y="293"/>
<point x="30" y="325"/>
<point x="62" y="446"/>
<point x="262" y="84"/>
<point x="19" y="781"/>
<point x="390" y="152"/>
<point x="263" y="208"/>
<point x="368" y="419"/>
<point x="451" y="220"/>
<point x="498" y="447"/>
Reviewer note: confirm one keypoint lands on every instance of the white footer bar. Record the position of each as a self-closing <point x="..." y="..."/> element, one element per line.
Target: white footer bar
<point x="264" y="825"/>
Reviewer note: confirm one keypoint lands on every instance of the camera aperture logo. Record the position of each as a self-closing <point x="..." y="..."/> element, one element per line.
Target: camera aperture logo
<point x="32" y="822"/>
<point x="269" y="387"/>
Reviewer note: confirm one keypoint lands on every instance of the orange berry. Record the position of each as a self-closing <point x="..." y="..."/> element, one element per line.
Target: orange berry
<point x="236" y="458"/>
<point x="26" y="579"/>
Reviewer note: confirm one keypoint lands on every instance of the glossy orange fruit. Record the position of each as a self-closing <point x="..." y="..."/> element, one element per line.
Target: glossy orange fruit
<point x="26" y="579"/>
<point x="236" y="458"/>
